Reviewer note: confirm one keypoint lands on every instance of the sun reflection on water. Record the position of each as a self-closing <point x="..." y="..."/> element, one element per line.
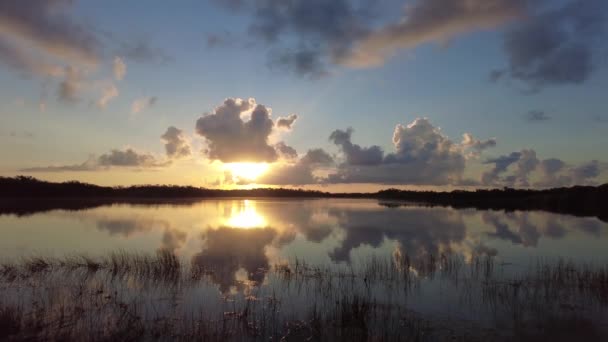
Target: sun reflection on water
<point x="245" y="216"/>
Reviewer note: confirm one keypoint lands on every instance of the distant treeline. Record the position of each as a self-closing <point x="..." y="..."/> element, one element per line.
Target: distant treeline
<point x="577" y="200"/>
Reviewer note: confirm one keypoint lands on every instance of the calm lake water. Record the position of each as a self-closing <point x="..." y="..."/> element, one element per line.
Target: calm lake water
<point x="242" y="241"/>
<point x="263" y="232"/>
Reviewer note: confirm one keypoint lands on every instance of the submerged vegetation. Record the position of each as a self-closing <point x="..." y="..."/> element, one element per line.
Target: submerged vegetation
<point x="577" y="200"/>
<point x="128" y="296"/>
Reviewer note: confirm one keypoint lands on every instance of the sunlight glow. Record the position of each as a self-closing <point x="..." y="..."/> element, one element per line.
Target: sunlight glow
<point x="247" y="171"/>
<point x="246" y="217"/>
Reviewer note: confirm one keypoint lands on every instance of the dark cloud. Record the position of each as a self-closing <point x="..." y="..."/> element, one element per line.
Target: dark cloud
<point x="230" y="138"/>
<point x="426" y="21"/>
<point x="525" y="161"/>
<point x="141" y="51"/>
<point x="501" y="164"/>
<point x="285" y="150"/>
<point x="555" y="46"/>
<point x="17" y="58"/>
<point x="355" y="154"/>
<point x="47" y="25"/>
<point x="71" y="85"/>
<point x="176" y="143"/>
<point x="220" y="39"/>
<point x="287" y="122"/>
<point x="537" y="116"/>
<point x="306" y="35"/>
<point x="303" y="62"/>
<point x="300" y="172"/>
<point x="310" y="35"/>
<point x="587" y="171"/>
<point x="423" y="156"/>
<point x="127" y="158"/>
<point x="476" y="146"/>
<point x="517" y="168"/>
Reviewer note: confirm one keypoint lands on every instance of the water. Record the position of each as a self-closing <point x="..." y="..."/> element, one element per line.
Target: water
<point x="319" y="231"/>
<point x="299" y="257"/>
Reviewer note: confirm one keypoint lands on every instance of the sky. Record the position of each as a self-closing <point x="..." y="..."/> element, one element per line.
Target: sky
<point x="337" y="95"/>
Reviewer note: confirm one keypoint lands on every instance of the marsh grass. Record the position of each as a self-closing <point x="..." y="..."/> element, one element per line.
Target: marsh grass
<point x="132" y="296"/>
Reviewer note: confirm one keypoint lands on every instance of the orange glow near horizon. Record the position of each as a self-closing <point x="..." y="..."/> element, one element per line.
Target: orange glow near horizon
<point x="247" y="171"/>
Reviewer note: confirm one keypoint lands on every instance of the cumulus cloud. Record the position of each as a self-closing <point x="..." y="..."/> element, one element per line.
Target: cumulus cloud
<point x="119" y="67"/>
<point x="555" y="45"/>
<point x="427" y="21"/>
<point x="476" y="146"/>
<point x="287" y="122"/>
<point x="517" y="169"/>
<point x="109" y="92"/>
<point x="355" y="154"/>
<point x="285" y="150"/>
<point x="301" y="172"/>
<point x="422" y="155"/>
<point x="142" y="104"/>
<point x="127" y="158"/>
<point x="469" y="141"/>
<point x="238" y="131"/>
<point x="176" y="143"/>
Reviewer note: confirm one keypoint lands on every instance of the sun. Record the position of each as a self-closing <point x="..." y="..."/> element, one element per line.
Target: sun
<point x="247" y="171"/>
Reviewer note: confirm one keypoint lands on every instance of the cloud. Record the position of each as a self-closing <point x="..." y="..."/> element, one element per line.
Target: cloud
<point x="20" y="59"/>
<point x="109" y="92"/>
<point x="49" y="27"/>
<point x="127" y="158"/>
<point x="516" y="169"/>
<point x="238" y="131"/>
<point x="422" y="155"/>
<point x="285" y="150"/>
<point x="287" y="122"/>
<point x="556" y="45"/>
<point x="140" y="51"/>
<point x="71" y="85"/>
<point x="476" y="146"/>
<point x="119" y="68"/>
<point x="551" y="173"/>
<point x="585" y="172"/>
<point x="343" y="32"/>
<point x="142" y="104"/>
<point x="355" y="154"/>
<point x="176" y="143"/>
<point x="469" y="141"/>
<point x="537" y="116"/>
<point x="426" y="21"/>
<point x="300" y="172"/>
<point x="219" y="39"/>
<point x="321" y="31"/>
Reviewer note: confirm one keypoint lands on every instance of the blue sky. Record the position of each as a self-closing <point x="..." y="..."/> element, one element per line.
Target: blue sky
<point x="446" y="80"/>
